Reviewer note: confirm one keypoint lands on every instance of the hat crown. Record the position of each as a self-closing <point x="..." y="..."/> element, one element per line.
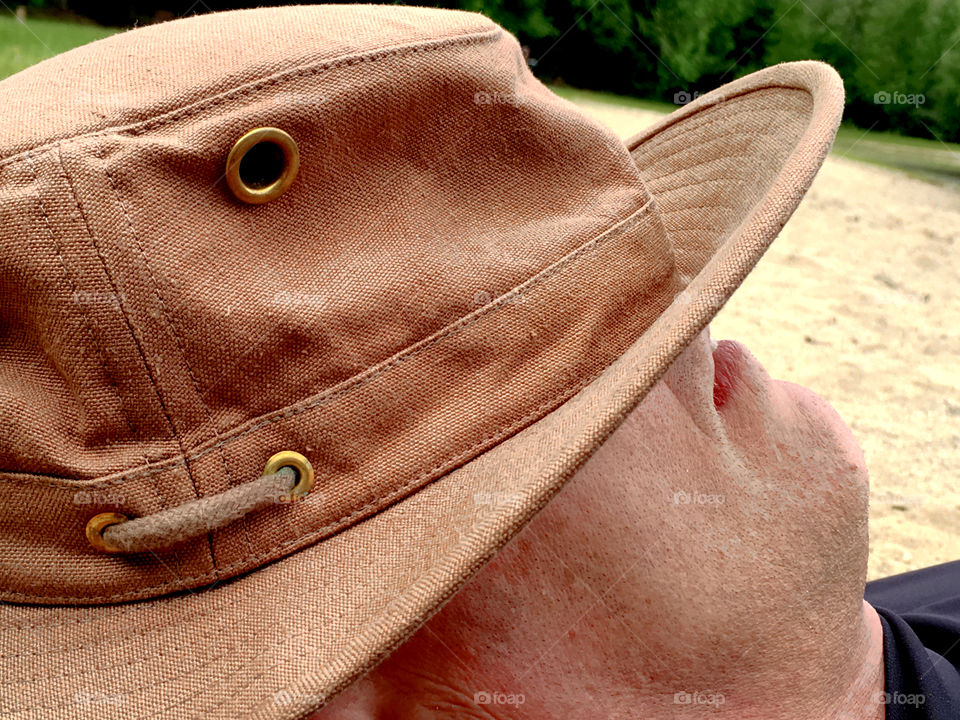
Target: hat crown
<point x="144" y="73"/>
<point x="460" y="251"/>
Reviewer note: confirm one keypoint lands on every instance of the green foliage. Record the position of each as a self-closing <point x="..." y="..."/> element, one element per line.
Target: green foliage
<point x="944" y="89"/>
<point x="25" y="44"/>
<point x="698" y="39"/>
<point x="900" y="59"/>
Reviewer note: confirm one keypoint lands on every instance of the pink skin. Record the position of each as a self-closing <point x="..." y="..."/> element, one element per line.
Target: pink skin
<point x="708" y="561"/>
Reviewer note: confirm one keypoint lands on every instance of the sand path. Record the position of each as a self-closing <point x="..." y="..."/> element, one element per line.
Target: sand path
<point x="858" y="300"/>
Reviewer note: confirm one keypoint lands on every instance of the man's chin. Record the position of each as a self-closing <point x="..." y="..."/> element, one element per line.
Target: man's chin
<point x="821" y="413"/>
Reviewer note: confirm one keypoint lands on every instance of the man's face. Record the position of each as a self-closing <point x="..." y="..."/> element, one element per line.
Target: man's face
<point x="694" y="551"/>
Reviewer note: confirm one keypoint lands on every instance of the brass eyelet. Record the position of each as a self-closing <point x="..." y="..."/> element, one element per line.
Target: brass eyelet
<point x="288" y="458"/>
<point x="262" y="164"/>
<point x="97" y="524"/>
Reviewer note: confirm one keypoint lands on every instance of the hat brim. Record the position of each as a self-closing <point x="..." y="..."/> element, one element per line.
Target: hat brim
<point x="726" y="172"/>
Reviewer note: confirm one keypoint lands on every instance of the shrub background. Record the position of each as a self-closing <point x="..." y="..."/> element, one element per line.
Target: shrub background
<point x="906" y="52"/>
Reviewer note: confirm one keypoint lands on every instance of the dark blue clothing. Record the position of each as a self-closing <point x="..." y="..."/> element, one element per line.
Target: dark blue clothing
<point x="920" y="615"/>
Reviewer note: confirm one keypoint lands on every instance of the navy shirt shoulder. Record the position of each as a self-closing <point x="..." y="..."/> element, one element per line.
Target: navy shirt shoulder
<point x="920" y="615"/>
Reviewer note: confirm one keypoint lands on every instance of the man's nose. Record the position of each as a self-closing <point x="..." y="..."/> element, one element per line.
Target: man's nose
<point x="690" y="378"/>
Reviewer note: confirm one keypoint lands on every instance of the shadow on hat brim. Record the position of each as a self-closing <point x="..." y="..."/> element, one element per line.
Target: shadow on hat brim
<point x="726" y="171"/>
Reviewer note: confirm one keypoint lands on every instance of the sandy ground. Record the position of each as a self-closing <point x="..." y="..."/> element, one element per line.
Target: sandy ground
<point x="858" y="300"/>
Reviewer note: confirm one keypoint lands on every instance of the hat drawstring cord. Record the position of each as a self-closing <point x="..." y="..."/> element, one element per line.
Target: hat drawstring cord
<point x="164" y="529"/>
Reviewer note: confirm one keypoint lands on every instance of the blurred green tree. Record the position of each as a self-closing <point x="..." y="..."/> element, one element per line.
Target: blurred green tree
<point x="900" y="59"/>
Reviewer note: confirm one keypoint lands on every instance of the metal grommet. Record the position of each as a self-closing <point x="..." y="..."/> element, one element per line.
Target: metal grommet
<point x="262" y="164"/>
<point x="288" y="458"/>
<point x="97" y="524"/>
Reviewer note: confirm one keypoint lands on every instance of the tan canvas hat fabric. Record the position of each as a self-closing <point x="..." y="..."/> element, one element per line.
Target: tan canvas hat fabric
<point x="463" y="289"/>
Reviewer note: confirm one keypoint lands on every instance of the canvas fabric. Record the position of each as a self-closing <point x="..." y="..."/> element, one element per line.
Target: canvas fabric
<point x="466" y="289"/>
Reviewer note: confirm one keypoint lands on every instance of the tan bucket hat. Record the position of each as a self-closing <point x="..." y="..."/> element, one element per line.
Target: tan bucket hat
<point x="306" y="311"/>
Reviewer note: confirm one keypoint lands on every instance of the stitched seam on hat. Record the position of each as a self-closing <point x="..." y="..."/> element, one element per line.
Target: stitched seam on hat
<point x="182" y="460"/>
<point x="659" y="140"/>
<point x="697" y="207"/>
<point x="661" y="192"/>
<point x="383" y="500"/>
<point x="702" y="118"/>
<point x="345" y="520"/>
<point x="292" y="73"/>
<point x="101" y="639"/>
<point x="699" y="147"/>
<point x="649" y="141"/>
<point x="123" y="312"/>
<point x="362" y="378"/>
<point x="654" y="180"/>
<point x="176" y="335"/>
<point x="135" y="433"/>
<point x="666" y="140"/>
<point x="108" y="375"/>
<point x="68" y="704"/>
<point x="118" y="296"/>
<point x="328" y="529"/>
